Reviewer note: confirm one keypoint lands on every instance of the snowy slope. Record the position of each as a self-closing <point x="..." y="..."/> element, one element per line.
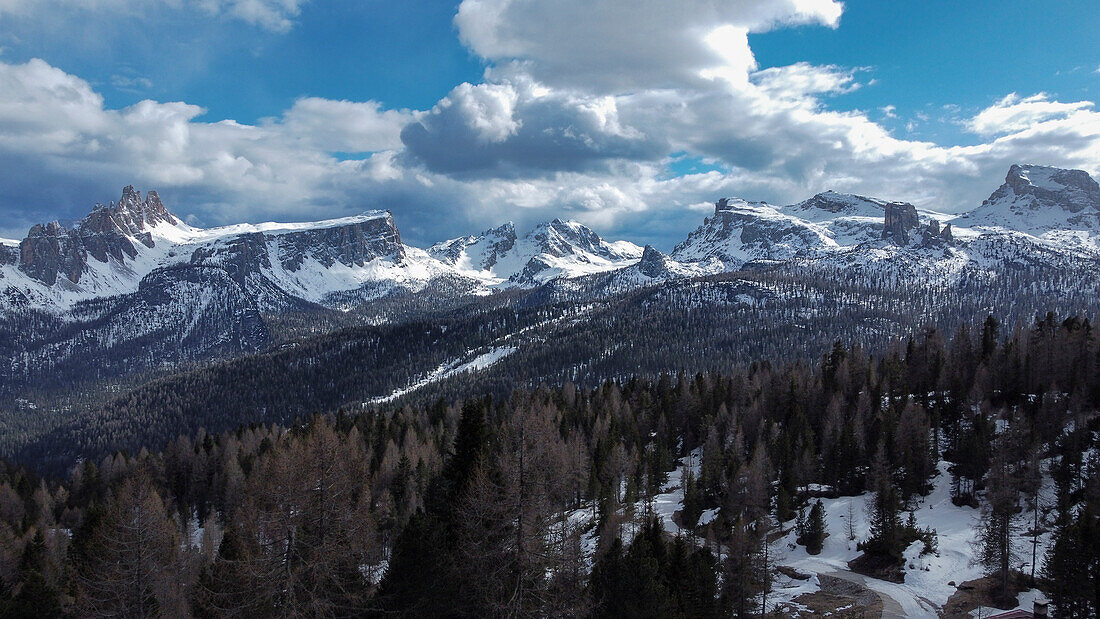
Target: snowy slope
<point x="1040" y="217"/>
<point x="476" y="252"/>
<point x="741" y="231"/>
<point x="1042" y="201"/>
<point x="552" y="250"/>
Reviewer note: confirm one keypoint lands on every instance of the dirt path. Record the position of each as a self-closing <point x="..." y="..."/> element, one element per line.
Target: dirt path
<point x="891" y="608"/>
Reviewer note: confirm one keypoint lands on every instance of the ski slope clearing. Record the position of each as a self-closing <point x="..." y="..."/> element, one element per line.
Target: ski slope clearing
<point x="448" y="369"/>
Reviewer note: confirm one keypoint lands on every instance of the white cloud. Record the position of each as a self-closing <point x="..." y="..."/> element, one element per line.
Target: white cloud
<point x="580" y="107"/>
<point x="55" y="132"/>
<point x="488" y="109"/>
<point x="1013" y="113"/>
<point x="345" y="126"/>
<point x="519" y="127"/>
<point x="616" y="45"/>
<point x="800" y="80"/>
<point x="273" y="15"/>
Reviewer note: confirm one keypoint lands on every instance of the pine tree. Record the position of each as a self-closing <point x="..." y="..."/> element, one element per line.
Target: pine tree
<point x="997" y="544"/>
<point x="36" y="596"/>
<point x="814" y="538"/>
<point x="1068" y="581"/>
<point x="885" y="524"/>
<point x="693" y="507"/>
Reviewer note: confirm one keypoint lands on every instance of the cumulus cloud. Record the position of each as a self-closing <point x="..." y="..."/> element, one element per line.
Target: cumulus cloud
<point x="345" y="126"/>
<point x="617" y="45"/>
<point x="1014" y="113"/>
<point x="522" y="128"/>
<point x="579" y="109"/>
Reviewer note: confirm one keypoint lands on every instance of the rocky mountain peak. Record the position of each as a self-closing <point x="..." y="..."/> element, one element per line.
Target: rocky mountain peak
<point x="483" y="250"/>
<point x="1044" y="187"/>
<point x="560" y="237"/>
<point x="109" y="231"/>
<point x="130" y="215"/>
<point x="653" y="263"/>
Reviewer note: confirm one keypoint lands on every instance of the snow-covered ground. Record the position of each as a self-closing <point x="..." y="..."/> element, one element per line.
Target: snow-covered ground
<point x="927" y="578"/>
<point x="448" y="369"/>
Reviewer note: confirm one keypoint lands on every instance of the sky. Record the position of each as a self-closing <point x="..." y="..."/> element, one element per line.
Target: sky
<point x="631" y="116"/>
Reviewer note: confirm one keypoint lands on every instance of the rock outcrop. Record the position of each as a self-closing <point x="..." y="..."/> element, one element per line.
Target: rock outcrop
<point x="1045" y="187"/>
<point x="901" y="217"/>
<point x="109" y="231"/>
<point x="9" y="254"/>
<point x="933" y="234"/>
<point x="50" y="250"/>
<point x="653" y="263"/>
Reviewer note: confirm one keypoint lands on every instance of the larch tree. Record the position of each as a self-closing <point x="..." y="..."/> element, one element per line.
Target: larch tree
<point x="136" y="543"/>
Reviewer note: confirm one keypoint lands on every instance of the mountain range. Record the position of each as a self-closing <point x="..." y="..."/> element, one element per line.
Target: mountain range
<point x="134" y="287"/>
<point x="134" y="245"/>
<point x="112" y="312"/>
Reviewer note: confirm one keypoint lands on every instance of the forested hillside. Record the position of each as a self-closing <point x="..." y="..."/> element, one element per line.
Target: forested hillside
<point x="545" y="501"/>
<point x="544" y="336"/>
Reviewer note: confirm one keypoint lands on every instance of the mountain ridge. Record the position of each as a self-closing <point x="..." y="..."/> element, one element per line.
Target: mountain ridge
<point x="131" y="269"/>
<point x="283" y="264"/>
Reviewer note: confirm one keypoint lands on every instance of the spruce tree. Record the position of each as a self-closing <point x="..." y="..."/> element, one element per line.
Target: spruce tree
<point x="885" y="522"/>
<point x="815" y="529"/>
<point x="997" y="543"/>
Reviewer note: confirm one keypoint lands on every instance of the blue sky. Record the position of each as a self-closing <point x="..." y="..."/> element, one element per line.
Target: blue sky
<point x="630" y="116"/>
<point x="927" y="55"/>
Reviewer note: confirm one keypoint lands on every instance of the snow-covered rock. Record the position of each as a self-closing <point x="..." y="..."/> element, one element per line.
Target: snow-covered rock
<point x="552" y="250"/>
<point x="1040" y="200"/>
<point x="476" y="252"/>
<point x="741" y="232"/>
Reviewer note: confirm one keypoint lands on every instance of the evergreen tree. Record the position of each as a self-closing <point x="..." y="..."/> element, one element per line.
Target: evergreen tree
<point x="814" y="538"/>
<point x="997" y="549"/>
<point x="886" y="530"/>
<point x="36" y="596"/>
<point x="1070" y="569"/>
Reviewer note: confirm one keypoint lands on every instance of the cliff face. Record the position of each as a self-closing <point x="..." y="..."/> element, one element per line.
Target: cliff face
<point x="50" y="250"/>
<point x="901" y="217"/>
<point x="354" y="244"/>
<point x="109" y="231"/>
<point x="9" y="254"/>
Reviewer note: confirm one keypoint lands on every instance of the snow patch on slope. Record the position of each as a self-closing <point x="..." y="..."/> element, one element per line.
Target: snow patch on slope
<point x="448" y="369"/>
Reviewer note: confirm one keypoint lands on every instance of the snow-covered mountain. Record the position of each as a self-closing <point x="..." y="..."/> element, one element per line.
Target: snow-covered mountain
<point x="129" y="271"/>
<point x="1051" y="203"/>
<point x="118" y="245"/>
<point x="552" y="250"/>
<point x="279" y="266"/>
<point x="1040" y="217"/>
<point x="1039" y="214"/>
